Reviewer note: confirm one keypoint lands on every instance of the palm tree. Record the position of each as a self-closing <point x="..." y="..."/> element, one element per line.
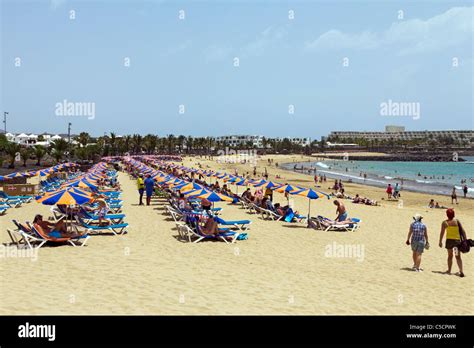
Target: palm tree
<point x="58" y="148"/>
<point x="180" y="142"/>
<point x="137" y="141"/>
<point x="3" y="142"/>
<point x="11" y="150"/>
<point x="171" y="143"/>
<point x="150" y="142"/>
<point x="189" y="144"/>
<point x="127" y="140"/>
<point x="25" y="154"/>
<point x="83" y="139"/>
<point x="39" y="152"/>
<point x="112" y="142"/>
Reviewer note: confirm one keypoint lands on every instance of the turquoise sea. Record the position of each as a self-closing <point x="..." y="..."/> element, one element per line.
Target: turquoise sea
<point x="431" y="177"/>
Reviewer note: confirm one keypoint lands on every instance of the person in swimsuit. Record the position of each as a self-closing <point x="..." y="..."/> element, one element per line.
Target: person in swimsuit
<point x="141" y="188"/>
<point x="340" y="211"/>
<point x="454" y="196"/>
<point x="54" y="230"/>
<point x="453" y="229"/>
<point x="389" y="191"/>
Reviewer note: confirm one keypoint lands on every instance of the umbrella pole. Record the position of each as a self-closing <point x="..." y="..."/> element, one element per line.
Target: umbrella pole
<point x="309" y="209"/>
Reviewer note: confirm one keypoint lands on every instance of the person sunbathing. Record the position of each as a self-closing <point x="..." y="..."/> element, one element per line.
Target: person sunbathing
<point x="269" y="205"/>
<point x="205" y="204"/>
<point x="437" y="206"/>
<point x="336" y="222"/>
<point x="103" y="208"/>
<point x="54" y="230"/>
<point x="431" y="204"/>
<point x="210" y="227"/>
<point x="247" y="194"/>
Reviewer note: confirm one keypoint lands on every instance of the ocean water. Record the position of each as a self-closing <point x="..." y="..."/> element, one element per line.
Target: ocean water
<point x="430" y="177"/>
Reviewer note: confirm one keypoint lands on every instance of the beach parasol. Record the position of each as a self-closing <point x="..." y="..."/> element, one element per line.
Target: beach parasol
<point x="215" y="197"/>
<point x="310" y="194"/>
<point x="68" y="196"/>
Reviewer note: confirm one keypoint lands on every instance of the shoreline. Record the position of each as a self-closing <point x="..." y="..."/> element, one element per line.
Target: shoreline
<point x="374" y="180"/>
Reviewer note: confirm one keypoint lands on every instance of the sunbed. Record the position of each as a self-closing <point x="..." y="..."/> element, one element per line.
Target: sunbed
<point x="114" y="218"/>
<point x="224" y="234"/>
<point x="114" y="228"/>
<point x="41" y="235"/>
<point x="26" y="199"/>
<point x="11" y="203"/>
<point x="332" y="225"/>
<point x="242" y="225"/>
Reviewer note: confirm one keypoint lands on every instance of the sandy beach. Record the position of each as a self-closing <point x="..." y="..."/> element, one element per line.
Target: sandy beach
<point x="282" y="268"/>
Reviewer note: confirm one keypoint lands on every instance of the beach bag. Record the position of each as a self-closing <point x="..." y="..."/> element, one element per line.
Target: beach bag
<point x="242" y="236"/>
<point x="465" y="244"/>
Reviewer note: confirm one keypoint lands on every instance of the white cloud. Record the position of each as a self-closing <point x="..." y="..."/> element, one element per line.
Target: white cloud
<point x="450" y="28"/>
<point x="267" y="38"/>
<point x="334" y="39"/>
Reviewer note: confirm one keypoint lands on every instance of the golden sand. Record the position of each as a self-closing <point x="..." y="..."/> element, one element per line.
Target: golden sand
<point x="282" y="268"/>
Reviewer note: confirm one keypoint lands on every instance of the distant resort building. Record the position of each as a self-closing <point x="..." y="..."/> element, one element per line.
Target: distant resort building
<point x="297" y="141"/>
<point x="399" y="133"/>
<point x="241" y="140"/>
<point x="257" y="141"/>
<point x="44" y="139"/>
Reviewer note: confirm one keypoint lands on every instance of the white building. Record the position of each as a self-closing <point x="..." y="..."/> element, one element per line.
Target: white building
<point x="32" y="139"/>
<point x="465" y="135"/>
<point x="297" y="141"/>
<point x="241" y="140"/>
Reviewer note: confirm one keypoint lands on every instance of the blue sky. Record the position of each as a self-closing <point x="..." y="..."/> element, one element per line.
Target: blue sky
<point x="190" y="62"/>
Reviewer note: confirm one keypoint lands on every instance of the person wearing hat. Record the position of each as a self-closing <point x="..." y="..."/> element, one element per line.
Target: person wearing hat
<point x="141" y="187"/>
<point x="418" y="239"/>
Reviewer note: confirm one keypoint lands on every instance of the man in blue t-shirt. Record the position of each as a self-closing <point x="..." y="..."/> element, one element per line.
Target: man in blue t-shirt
<point x="149" y="186"/>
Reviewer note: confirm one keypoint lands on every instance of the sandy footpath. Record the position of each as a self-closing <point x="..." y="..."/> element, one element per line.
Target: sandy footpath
<point x="282" y="268"/>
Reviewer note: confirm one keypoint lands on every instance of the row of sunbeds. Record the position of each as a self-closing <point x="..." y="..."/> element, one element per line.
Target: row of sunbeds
<point x="7" y="201"/>
<point x="85" y="218"/>
<point x="189" y="226"/>
<point x="319" y="222"/>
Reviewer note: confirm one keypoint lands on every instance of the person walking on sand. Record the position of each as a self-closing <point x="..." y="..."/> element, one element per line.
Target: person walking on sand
<point x="141" y="187"/>
<point x="453" y="229"/>
<point x="149" y="187"/>
<point x="454" y="196"/>
<point x="340" y="211"/>
<point x="389" y="191"/>
<point x="396" y="191"/>
<point x="418" y="239"/>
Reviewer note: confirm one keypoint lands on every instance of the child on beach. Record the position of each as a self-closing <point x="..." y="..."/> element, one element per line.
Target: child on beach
<point x="454" y="196"/>
<point x="389" y="191"/>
